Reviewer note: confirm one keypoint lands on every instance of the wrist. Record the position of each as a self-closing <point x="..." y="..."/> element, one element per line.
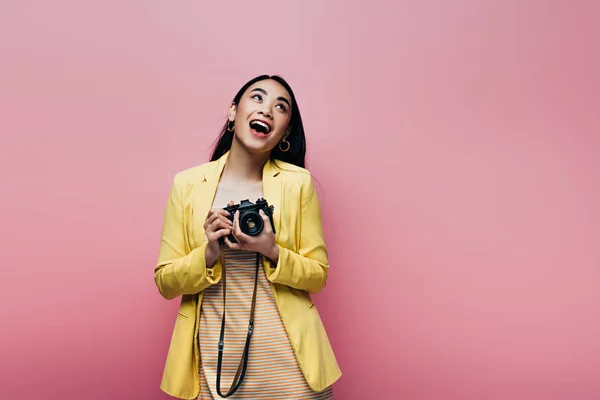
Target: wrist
<point x="211" y="255"/>
<point x="273" y="254"/>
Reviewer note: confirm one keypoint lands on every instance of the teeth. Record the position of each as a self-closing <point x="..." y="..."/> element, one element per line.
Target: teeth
<point x="267" y="127"/>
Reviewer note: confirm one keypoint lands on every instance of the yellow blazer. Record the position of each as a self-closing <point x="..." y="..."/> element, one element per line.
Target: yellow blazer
<point x="301" y="269"/>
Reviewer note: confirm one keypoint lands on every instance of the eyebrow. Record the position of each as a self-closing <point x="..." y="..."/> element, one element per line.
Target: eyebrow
<point x="265" y="92"/>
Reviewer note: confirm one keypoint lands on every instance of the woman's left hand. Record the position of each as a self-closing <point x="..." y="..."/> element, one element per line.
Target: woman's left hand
<point x="264" y="243"/>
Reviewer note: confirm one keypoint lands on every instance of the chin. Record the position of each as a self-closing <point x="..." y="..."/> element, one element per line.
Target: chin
<point x="255" y="145"/>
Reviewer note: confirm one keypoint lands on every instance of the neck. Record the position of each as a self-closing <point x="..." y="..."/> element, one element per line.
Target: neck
<point x="243" y="165"/>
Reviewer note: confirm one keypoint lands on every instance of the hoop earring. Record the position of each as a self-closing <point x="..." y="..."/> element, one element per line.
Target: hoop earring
<point x="232" y="128"/>
<point x="284" y="142"/>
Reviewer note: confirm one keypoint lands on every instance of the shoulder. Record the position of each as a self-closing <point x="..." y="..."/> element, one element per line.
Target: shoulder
<point x="193" y="175"/>
<point x="293" y="173"/>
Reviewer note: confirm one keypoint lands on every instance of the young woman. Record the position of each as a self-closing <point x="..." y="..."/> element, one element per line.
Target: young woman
<point x="270" y="343"/>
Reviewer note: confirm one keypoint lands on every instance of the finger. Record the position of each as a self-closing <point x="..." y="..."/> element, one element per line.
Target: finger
<point x="218" y="211"/>
<point x="210" y="218"/>
<point x="224" y="219"/>
<point x="209" y="221"/>
<point x="218" y="234"/>
<point x="214" y="212"/>
<point x="237" y="230"/>
<point x="234" y="232"/>
<point x="217" y="225"/>
<point x="223" y="233"/>
<point x="231" y="245"/>
<point x="242" y="238"/>
<point x="267" y="222"/>
<point x="211" y="212"/>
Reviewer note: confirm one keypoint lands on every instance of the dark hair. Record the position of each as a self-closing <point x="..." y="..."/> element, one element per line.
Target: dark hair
<point x="297" y="152"/>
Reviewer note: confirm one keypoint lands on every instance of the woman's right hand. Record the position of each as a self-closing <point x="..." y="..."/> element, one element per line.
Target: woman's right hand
<point x="216" y="226"/>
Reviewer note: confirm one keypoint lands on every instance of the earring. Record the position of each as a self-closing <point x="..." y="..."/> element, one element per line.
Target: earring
<point x="228" y="127"/>
<point x="283" y="141"/>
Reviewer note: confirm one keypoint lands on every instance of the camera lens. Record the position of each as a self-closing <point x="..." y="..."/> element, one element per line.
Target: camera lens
<point x="251" y="223"/>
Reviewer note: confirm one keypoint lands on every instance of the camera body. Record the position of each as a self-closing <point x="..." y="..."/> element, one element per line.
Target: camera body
<point x="251" y="223"/>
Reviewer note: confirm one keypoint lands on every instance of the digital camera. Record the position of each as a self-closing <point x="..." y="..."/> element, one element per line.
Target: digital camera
<point x="251" y="223"/>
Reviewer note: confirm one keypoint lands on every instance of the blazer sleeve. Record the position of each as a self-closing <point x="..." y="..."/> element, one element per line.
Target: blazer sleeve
<point x="308" y="268"/>
<point x="181" y="270"/>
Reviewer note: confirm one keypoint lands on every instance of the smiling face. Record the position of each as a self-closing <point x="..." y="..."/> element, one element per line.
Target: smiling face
<point x="262" y="116"/>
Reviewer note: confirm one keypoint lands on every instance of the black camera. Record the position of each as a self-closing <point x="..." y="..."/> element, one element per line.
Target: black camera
<point x="251" y="223"/>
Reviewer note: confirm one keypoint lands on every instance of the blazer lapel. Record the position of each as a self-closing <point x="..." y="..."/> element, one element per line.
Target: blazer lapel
<point x="272" y="192"/>
<point x="207" y="189"/>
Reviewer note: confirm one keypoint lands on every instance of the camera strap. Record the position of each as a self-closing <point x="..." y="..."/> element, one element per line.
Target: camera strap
<point x="241" y="371"/>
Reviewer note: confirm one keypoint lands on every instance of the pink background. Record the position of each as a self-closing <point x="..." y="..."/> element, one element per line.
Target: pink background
<point x="456" y="147"/>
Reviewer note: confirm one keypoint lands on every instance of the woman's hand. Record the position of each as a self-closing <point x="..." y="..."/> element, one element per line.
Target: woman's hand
<point x="264" y="243"/>
<point x="216" y="226"/>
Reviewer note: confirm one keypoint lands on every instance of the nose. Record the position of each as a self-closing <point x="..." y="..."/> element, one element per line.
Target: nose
<point x="266" y="112"/>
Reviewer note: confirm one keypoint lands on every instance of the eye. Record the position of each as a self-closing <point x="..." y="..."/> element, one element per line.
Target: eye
<point x="257" y="97"/>
<point x="282" y="107"/>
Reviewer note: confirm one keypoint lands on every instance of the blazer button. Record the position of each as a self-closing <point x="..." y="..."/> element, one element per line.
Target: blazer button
<point x="209" y="272"/>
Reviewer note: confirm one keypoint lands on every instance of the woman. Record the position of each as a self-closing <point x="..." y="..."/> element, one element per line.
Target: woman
<point x="267" y="278"/>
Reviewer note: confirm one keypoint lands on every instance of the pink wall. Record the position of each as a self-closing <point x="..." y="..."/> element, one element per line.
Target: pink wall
<point x="456" y="144"/>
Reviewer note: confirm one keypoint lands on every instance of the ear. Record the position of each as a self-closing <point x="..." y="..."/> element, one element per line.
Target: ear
<point x="231" y="114"/>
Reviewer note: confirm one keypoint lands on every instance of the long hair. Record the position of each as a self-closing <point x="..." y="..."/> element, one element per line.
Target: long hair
<point x="297" y="152"/>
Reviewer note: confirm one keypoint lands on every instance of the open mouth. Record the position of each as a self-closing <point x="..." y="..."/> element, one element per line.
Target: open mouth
<point x="260" y="127"/>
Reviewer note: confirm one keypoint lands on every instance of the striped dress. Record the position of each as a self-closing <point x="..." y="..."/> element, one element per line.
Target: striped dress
<point x="272" y="371"/>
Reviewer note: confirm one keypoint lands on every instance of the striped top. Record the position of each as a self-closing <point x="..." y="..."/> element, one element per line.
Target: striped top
<point x="272" y="371"/>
